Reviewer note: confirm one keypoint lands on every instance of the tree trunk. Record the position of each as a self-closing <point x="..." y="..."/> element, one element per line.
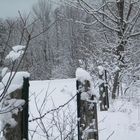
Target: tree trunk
<point x="120" y="47"/>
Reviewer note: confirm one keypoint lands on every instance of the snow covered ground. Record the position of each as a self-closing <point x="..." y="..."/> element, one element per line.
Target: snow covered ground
<point x="121" y="122"/>
<point x="48" y="95"/>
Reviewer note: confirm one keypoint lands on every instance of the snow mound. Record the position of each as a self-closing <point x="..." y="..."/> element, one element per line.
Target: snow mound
<point x="16" y="81"/>
<point x="18" y="78"/>
<point x="82" y="75"/>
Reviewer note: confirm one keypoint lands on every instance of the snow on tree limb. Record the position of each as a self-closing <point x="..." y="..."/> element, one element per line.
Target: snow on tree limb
<point x="16" y="52"/>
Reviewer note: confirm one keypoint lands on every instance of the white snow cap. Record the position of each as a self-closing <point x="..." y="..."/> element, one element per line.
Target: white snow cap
<point x="82" y="75"/>
<point x="101" y="70"/>
<point x="18" y="48"/>
<point x="18" y="78"/>
<point x="17" y="81"/>
<point x="15" y="53"/>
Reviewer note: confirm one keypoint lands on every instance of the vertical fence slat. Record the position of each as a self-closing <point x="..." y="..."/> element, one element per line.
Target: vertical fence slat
<point x="78" y="106"/>
<point x="103" y="91"/>
<point x="87" y="113"/>
<point x="25" y="112"/>
<point x="20" y="130"/>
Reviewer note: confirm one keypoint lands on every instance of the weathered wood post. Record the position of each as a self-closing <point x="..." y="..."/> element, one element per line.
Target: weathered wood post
<point x="19" y="131"/>
<point x="106" y="89"/>
<point x="86" y="107"/>
<point x="103" y="89"/>
<point x="78" y="86"/>
<point x="25" y="112"/>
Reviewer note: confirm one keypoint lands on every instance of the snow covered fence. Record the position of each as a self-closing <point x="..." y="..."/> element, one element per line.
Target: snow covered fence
<point x="86" y="107"/>
<point x="14" y="108"/>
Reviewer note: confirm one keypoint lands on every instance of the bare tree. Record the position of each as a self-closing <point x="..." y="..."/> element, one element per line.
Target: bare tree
<point x="120" y="18"/>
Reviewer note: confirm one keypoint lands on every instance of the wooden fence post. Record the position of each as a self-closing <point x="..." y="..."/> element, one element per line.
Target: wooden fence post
<point x="20" y="131"/>
<point x="25" y="112"/>
<point x="103" y="91"/>
<point x="86" y="112"/>
<point x="106" y="89"/>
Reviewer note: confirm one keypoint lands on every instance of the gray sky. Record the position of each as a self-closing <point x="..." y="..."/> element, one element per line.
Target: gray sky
<point x="9" y="8"/>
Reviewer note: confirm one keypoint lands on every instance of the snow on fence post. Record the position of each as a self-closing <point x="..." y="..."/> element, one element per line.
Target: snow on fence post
<point x="18" y="129"/>
<point x="86" y="107"/>
<point x="103" y="89"/>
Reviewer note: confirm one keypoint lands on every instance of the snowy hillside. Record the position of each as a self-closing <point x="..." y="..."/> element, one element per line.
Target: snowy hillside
<point x="121" y="122"/>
